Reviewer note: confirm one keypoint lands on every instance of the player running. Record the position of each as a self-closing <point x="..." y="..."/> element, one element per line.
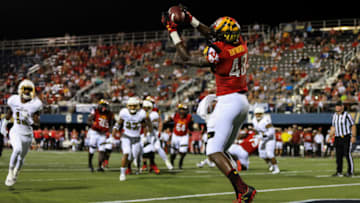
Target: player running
<point x="131" y="120"/>
<point x="180" y="136"/>
<point x="266" y="131"/>
<point x="204" y="110"/>
<point x="25" y="110"/>
<point x="101" y="120"/>
<point x="154" y="144"/>
<point x="226" y="54"/>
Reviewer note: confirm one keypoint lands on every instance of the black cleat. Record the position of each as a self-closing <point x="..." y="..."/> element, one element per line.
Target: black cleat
<point x="91" y="169"/>
<point x="348" y="175"/>
<point x="100" y="170"/>
<point x="248" y="196"/>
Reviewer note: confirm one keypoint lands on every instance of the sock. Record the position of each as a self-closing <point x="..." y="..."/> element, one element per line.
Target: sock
<point x="162" y="154"/>
<point x="172" y="158"/>
<point x="90" y="160"/>
<point x="181" y="160"/>
<point x="238" y="184"/>
<point x="122" y="171"/>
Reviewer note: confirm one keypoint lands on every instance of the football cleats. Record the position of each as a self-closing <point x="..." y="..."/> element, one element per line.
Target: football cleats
<point x="226" y="29"/>
<point x="133" y="105"/>
<point x="26" y="90"/>
<point x="259" y="112"/>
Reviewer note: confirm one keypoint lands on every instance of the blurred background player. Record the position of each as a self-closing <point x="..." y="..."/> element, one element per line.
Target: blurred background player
<point x="101" y="120"/>
<point x="264" y="128"/>
<point x="155" y="139"/>
<point x="226" y="54"/>
<point x="278" y="141"/>
<point x="74" y="139"/>
<point x="131" y="119"/>
<point x="245" y="145"/>
<point x="204" y="110"/>
<point x="108" y="149"/>
<point x="25" y="110"/>
<point x="180" y="137"/>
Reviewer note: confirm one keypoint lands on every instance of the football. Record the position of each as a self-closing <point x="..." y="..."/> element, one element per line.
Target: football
<point x="176" y="14"/>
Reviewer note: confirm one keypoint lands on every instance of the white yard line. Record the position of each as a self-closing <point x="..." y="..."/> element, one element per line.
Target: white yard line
<point x="231" y="193"/>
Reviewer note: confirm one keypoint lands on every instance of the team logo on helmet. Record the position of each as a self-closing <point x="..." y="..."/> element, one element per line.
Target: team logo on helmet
<point x="227" y="29"/>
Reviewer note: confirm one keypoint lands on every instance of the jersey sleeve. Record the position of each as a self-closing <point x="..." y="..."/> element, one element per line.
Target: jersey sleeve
<point x="154" y="116"/>
<point x="38" y="106"/>
<point x="212" y="56"/>
<point x="123" y="114"/>
<point x="11" y="100"/>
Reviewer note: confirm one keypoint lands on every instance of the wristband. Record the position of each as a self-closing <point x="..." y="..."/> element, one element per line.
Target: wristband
<point x="175" y="37"/>
<point x="194" y="22"/>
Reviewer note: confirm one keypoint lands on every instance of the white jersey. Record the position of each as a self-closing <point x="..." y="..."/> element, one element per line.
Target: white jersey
<point x="260" y="126"/>
<point x="132" y="123"/>
<point x="154" y="118"/>
<point x="23" y="113"/>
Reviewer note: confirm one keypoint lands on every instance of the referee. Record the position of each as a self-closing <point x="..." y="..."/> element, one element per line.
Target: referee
<point x="344" y="130"/>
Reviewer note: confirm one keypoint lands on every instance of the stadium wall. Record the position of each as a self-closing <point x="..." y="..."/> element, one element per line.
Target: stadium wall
<point x="277" y="119"/>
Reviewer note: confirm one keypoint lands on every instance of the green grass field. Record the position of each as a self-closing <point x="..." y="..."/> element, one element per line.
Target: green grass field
<point x="64" y="177"/>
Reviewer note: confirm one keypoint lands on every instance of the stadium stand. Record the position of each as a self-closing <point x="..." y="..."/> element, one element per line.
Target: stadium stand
<point x="288" y="68"/>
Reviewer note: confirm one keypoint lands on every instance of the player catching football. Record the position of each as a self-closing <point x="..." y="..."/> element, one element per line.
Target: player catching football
<point x="25" y="110"/>
<point x="227" y="57"/>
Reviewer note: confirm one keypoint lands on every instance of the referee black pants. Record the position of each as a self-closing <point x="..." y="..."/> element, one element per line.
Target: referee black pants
<point x="343" y="148"/>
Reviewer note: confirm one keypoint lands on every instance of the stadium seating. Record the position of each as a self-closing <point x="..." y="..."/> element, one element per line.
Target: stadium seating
<point x="282" y="67"/>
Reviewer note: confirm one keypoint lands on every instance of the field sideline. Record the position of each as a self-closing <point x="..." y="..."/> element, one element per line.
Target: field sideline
<point x="64" y="177"/>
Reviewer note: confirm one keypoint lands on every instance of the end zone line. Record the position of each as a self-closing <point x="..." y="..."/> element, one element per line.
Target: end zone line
<point x="230" y="193"/>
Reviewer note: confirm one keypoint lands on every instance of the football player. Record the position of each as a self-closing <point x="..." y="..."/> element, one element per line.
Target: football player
<point x="180" y="136"/>
<point x="264" y="128"/>
<point x="25" y="110"/>
<point x="155" y="140"/>
<point x="226" y="54"/>
<point x="204" y="110"/>
<point x="242" y="148"/>
<point x="131" y="119"/>
<point x="101" y="120"/>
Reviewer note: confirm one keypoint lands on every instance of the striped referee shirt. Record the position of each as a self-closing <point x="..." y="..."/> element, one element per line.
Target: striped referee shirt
<point x="342" y="124"/>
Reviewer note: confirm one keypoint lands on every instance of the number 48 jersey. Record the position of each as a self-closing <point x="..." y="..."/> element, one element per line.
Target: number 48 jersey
<point x="230" y="66"/>
<point x="23" y="113"/>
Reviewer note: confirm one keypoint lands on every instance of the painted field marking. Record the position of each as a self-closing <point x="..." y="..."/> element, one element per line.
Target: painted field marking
<point x="231" y="193"/>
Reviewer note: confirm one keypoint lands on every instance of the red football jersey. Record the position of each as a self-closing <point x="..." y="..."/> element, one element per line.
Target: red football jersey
<point x="230" y="67"/>
<point x="102" y="121"/>
<point x="181" y="125"/>
<point x="308" y="137"/>
<point x="249" y="144"/>
<point x="278" y="136"/>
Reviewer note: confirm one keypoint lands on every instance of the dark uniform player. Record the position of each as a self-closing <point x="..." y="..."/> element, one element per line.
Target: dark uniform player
<point x="101" y="120"/>
<point x="227" y="56"/>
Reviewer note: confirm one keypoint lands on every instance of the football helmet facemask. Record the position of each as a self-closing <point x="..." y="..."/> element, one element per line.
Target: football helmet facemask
<point x="133" y="105"/>
<point x="103" y="105"/>
<point x="226" y="29"/>
<point x="147" y="105"/>
<point x="26" y="89"/>
<point x="259" y="113"/>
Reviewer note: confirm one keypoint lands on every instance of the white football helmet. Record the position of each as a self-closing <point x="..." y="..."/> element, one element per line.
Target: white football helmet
<point x="133" y="104"/>
<point x="147" y="105"/>
<point x="259" y="113"/>
<point x="26" y="89"/>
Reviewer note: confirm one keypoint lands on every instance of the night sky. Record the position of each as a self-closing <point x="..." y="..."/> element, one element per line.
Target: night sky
<point x="52" y="18"/>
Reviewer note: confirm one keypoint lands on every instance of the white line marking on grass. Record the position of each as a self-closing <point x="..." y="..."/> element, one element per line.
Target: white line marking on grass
<point x="231" y="193"/>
